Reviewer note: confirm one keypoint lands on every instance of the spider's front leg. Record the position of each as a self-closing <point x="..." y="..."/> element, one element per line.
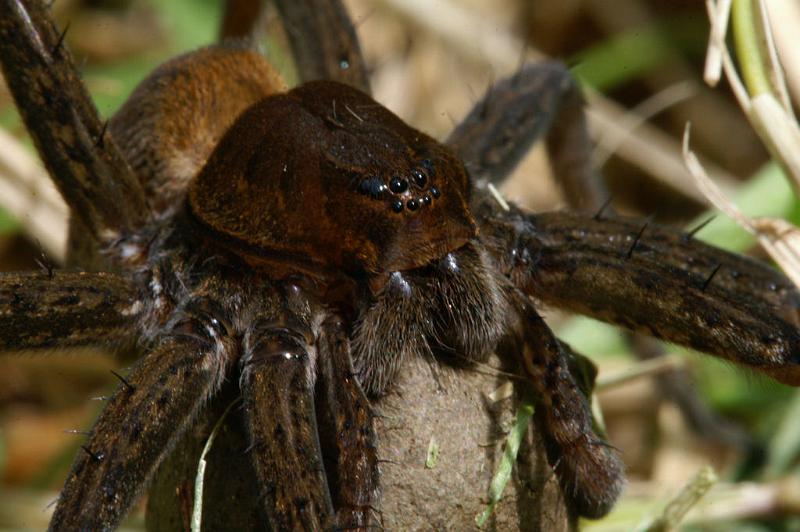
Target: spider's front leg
<point x="662" y="282"/>
<point x="589" y="470"/>
<point x="141" y="422"/>
<point x="285" y="352"/>
<point x="541" y="100"/>
<point x="278" y="380"/>
<point x="356" y="494"/>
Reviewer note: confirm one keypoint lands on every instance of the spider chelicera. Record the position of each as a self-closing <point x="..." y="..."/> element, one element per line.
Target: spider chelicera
<point x="299" y="246"/>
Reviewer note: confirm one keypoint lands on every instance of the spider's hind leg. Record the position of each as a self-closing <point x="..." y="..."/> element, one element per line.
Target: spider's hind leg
<point x="324" y="41"/>
<point x="322" y="36"/>
<point x="541" y="100"/>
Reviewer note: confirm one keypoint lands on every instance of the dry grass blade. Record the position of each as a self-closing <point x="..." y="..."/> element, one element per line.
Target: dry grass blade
<point x="764" y="100"/>
<point x="719" y="13"/>
<point x="668" y="97"/>
<point x="502" y="392"/>
<point x="778" y="237"/>
<point x="784" y="16"/>
<point x="647" y="368"/>
<point x="28" y="194"/>
<point x="677" y="508"/>
<point x="197" y="510"/>
<point x="779" y="131"/>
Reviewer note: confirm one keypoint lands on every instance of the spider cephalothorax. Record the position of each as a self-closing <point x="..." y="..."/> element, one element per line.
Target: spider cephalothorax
<point x="324" y="174"/>
<point x="303" y="244"/>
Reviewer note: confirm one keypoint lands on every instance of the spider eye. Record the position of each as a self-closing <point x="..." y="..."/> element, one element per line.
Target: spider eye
<point x="374" y="186"/>
<point x="435" y="192"/>
<point x="397" y="206"/>
<point x="419" y="178"/>
<point x="397" y="185"/>
<point x="412" y="204"/>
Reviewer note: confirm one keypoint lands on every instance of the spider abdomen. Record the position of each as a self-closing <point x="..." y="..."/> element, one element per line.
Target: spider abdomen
<point x="204" y="91"/>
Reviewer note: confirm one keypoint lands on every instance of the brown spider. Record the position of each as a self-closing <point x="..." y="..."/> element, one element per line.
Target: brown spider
<point x="303" y="244"/>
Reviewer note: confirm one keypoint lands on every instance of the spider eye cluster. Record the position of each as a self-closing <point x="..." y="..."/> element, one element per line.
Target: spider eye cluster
<point x="410" y="192"/>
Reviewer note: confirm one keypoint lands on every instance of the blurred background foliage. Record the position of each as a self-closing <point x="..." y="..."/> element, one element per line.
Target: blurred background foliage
<point x="631" y="52"/>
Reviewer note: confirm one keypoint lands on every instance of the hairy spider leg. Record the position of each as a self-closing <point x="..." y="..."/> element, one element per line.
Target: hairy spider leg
<point x="286" y="357"/>
<point x="40" y="310"/>
<point x="278" y="377"/>
<point x="139" y="425"/>
<point x="324" y="42"/>
<point x="670" y="287"/>
<point x="83" y="160"/>
<point x="322" y="37"/>
<point x="589" y="470"/>
<point x="241" y="19"/>
<point x="539" y="101"/>
<point x="357" y="491"/>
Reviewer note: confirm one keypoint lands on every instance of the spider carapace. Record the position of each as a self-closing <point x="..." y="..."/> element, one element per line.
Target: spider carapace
<point x="326" y="175"/>
<point x="299" y="246"/>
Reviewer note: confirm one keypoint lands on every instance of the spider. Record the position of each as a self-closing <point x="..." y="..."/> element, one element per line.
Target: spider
<point x="297" y="247"/>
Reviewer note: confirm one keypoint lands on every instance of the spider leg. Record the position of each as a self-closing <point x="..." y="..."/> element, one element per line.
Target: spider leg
<point x="142" y="421"/>
<point x="348" y="408"/>
<point x="657" y="280"/>
<point x="590" y="471"/>
<point x="277" y="381"/>
<point x="62" y="309"/>
<point x="324" y="41"/>
<point x="240" y="18"/>
<point x="540" y="99"/>
<point x="83" y="160"/>
<point x="322" y="36"/>
<point x="584" y="188"/>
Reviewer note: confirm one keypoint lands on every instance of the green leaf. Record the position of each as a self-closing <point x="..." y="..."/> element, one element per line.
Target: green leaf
<point x="433" y="454"/>
<point x="509" y="458"/>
